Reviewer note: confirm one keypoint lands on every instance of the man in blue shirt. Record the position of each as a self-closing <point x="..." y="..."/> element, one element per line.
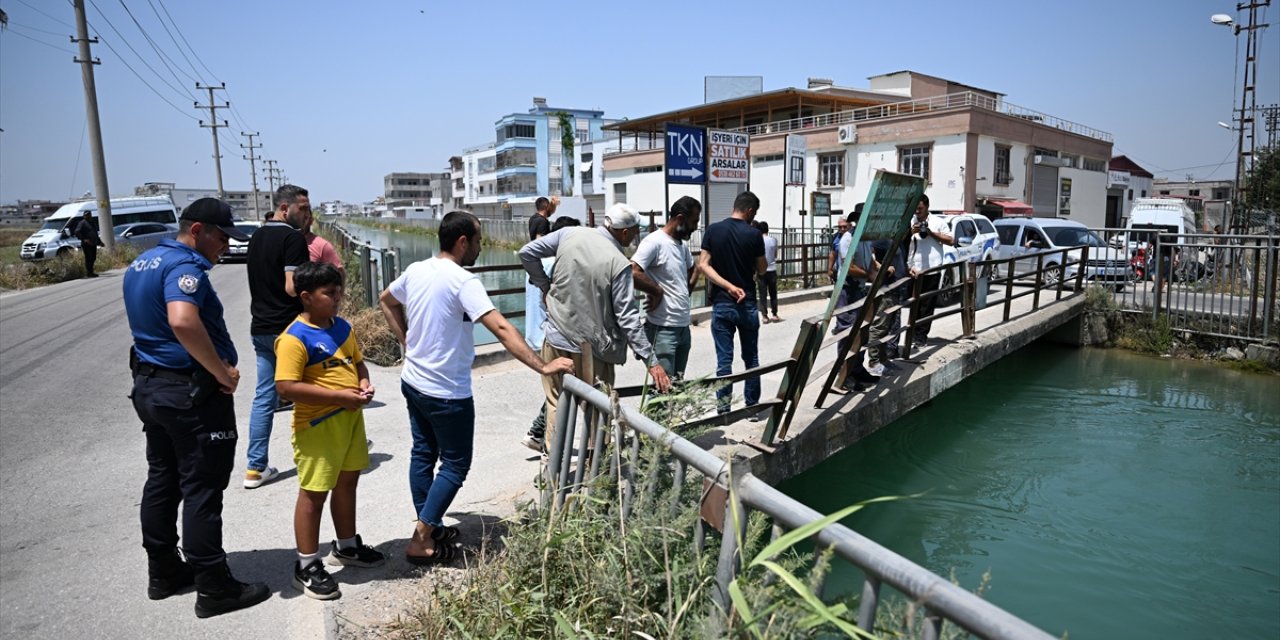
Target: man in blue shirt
<point x="184" y="372"/>
<point x="732" y="256"/>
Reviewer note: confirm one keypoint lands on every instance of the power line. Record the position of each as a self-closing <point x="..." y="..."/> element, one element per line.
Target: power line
<point x="164" y="58"/>
<point x="42" y="42"/>
<point x="33" y="8"/>
<point x="172" y="39"/>
<point x="188" y="94"/>
<point x="184" y="40"/>
<point x="23" y="26"/>
<point x="139" y="76"/>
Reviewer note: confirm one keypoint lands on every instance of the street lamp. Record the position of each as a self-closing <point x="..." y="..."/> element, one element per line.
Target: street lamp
<point x="1248" y="97"/>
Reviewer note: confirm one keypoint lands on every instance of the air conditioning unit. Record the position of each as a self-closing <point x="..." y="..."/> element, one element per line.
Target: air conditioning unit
<point x="848" y="134"/>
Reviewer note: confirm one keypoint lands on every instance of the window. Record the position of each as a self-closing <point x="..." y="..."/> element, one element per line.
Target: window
<point x="1008" y="234"/>
<point x="1064" y="197"/>
<point x="1131" y="194"/>
<point x="620" y="192"/>
<point x="519" y="157"/>
<point x="965" y="232"/>
<point x="985" y="226"/>
<point x="1094" y="164"/>
<point x="518" y="184"/>
<point x="777" y="157"/>
<point x="914" y="160"/>
<point x="1071" y="160"/>
<point x="1164" y="192"/>
<point x="486" y="165"/>
<point x="831" y="170"/>
<point x="1003" y="177"/>
<point x="1144" y="193"/>
<point x="1193" y="192"/>
<point x="653" y="169"/>
<point x="517" y="130"/>
<point x="556" y="186"/>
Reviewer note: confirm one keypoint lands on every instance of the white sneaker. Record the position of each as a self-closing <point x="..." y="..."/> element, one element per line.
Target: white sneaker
<point x="254" y="479"/>
<point x="874" y="371"/>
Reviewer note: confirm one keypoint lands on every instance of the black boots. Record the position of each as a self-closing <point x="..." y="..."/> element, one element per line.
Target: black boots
<point x="168" y="574"/>
<point x="217" y="592"/>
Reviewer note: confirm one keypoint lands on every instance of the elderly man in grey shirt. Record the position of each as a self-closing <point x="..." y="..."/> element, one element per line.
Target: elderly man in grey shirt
<point x="591" y="299"/>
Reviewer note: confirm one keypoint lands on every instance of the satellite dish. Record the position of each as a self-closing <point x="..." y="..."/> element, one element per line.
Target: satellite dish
<point x="1221" y="18"/>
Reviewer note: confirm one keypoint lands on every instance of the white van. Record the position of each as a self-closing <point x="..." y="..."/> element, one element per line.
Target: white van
<point x="54" y="238"/>
<point x="1152" y="216"/>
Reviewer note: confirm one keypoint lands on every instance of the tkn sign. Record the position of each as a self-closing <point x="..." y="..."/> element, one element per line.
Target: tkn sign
<point x="686" y="159"/>
<point x="727" y="154"/>
<point x="795" y="159"/>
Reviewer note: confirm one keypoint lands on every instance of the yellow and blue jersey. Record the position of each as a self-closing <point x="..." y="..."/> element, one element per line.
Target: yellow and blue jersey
<point x="325" y="357"/>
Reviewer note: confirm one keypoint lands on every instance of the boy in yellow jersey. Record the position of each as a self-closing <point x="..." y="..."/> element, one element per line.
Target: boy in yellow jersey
<point x="319" y="367"/>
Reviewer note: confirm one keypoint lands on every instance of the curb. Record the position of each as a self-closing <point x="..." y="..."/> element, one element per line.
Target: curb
<point x="490" y="354"/>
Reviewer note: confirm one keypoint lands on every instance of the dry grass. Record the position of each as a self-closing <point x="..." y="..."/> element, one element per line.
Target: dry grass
<point x="27" y="275"/>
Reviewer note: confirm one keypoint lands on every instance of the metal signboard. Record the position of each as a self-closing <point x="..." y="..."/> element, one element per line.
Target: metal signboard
<point x="795" y="159"/>
<point x="727" y="158"/>
<point x="890" y="205"/>
<point x="685" y="154"/>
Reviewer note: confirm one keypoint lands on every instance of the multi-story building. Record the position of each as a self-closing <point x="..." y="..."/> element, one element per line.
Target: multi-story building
<point x="1209" y="199"/>
<point x="526" y="160"/>
<point x="416" y="190"/>
<point x="242" y="202"/>
<point x="28" y="211"/>
<point x="1126" y="180"/>
<point x="977" y="152"/>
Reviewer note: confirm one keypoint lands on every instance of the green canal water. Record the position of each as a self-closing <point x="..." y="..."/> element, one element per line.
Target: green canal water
<point x="1109" y="495"/>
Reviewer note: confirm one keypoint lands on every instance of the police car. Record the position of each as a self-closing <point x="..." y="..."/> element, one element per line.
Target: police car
<point x="976" y="240"/>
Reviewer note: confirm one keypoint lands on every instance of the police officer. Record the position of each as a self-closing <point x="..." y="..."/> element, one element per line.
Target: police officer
<point x="184" y="370"/>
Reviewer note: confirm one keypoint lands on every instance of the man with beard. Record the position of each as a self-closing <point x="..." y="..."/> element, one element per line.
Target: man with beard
<point x="432" y="308"/>
<point x="664" y="264"/>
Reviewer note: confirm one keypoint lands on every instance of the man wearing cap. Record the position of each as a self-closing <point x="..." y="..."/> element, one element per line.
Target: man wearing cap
<point x="275" y="251"/>
<point x="87" y="233"/>
<point x="591" y="299"/>
<point x="184" y="372"/>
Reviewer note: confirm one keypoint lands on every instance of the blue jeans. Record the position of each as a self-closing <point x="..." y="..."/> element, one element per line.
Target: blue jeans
<point x="444" y="431"/>
<point x="725" y="320"/>
<point x="265" y="399"/>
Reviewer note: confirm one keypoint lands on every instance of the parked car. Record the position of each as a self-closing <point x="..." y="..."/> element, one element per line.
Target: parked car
<point x="236" y="250"/>
<point x="1023" y="238"/>
<point x="144" y="235"/>
<point x="975" y="240"/>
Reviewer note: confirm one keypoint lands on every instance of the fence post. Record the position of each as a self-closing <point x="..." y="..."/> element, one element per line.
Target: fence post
<point x="969" y="302"/>
<point x="735" y="524"/>
<point x="366" y="274"/>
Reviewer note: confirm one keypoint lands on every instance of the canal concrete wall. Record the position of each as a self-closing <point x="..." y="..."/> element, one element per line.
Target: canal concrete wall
<point x="817" y="434"/>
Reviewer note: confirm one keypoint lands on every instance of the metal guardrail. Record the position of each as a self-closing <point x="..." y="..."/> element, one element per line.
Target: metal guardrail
<point x="1221" y="285"/>
<point x="378" y="266"/>
<point x="572" y="469"/>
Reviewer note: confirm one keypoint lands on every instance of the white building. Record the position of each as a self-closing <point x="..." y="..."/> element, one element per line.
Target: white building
<point x="1125" y="181"/>
<point x="978" y="152"/>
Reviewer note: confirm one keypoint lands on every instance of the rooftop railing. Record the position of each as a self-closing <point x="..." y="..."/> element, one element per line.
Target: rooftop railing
<point x="892" y="110"/>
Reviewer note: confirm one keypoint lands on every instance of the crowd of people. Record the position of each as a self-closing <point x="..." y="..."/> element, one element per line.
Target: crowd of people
<point x="582" y="318"/>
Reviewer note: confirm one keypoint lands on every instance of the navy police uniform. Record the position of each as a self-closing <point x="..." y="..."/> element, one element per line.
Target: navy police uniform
<point x="189" y="423"/>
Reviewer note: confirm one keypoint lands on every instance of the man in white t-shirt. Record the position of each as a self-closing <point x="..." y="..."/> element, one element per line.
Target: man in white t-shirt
<point x="928" y="234"/>
<point x="664" y="263"/>
<point x="432" y="308"/>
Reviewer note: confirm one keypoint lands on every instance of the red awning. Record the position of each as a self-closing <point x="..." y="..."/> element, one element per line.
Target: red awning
<point x="1011" y="206"/>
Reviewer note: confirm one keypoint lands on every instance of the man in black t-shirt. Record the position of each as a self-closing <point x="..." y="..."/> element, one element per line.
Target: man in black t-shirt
<point x="732" y="256"/>
<point x="275" y="251"/>
<point x="540" y="221"/>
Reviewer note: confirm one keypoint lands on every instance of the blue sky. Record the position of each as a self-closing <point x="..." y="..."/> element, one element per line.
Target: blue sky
<point x="343" y="93"/>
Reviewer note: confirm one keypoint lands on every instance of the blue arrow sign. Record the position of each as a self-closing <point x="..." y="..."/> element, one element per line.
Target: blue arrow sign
<point x="686" y="158"/>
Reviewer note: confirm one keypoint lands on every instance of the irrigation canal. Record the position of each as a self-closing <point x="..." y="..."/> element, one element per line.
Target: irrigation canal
<point x="1109" y="495"/>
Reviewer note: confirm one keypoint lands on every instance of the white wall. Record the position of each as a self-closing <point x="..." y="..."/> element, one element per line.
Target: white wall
<point x="1088" y="196"/>
<point x="1018" y="153"/>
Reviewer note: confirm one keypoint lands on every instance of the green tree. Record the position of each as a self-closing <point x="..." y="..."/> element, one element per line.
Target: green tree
<point x="566" y="144"/>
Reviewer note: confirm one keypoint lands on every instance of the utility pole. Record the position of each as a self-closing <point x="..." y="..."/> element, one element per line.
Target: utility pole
<point x="271" y="180"/>
<point x="1248" y="109"/>
<point x="1272" y="115"/>
<point x="253" y="168"/>
<point x="86" y="63"/>
<point x="214" y="126"/>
